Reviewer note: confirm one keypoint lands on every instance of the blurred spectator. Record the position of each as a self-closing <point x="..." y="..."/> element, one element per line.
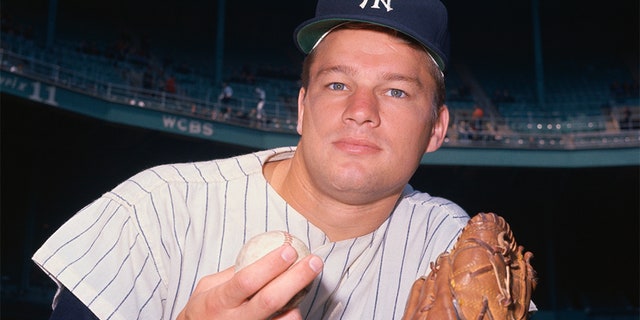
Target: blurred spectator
<point x="260" y="114"/>
<point x="226" y="95"/>
<point x="170" y="85"/>
<point x="463" y="130"/>
<point x="477" y="120"/>
<point x="626" y="122"/>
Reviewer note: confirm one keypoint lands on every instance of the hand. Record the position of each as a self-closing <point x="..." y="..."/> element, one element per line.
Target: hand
<point x="255" y="292"/>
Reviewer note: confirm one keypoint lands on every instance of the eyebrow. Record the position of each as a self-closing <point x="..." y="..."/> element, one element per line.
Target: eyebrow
<point x="392" y="76"/>
<point x="337" y="69"/>
<point x="388" y="76"/>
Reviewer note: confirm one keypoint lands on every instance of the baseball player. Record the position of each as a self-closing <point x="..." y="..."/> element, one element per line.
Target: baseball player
<point x="161" y="245"/>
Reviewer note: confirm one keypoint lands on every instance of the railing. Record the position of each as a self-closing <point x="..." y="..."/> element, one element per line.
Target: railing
<point x="281" y="116"/>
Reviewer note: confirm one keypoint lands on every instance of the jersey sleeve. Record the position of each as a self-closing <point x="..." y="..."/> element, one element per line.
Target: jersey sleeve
<point x="99" y="255"/>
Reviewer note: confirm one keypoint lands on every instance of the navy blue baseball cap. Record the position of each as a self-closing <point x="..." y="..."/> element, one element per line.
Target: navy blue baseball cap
<point x="424" y="20"/>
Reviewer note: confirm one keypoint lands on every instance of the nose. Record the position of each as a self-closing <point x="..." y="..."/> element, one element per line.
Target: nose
<point x="363" y="108"/>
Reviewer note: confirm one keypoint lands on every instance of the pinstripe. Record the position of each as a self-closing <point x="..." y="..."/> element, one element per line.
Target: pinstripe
<point x="156" y="225"/>
<point x="308" y="231"/>
<point x="146" y="303"/>
<point x="155" y="209"/>
<point x="344" y="270"/>
<point x="246" y="201"/>
<point x="104" y="255"/>
<point x="177" y="238"/>
<point x="146" y="241"/>
<point x="453" y="239"/>
<point x="286" y="221"/>
<point x="244" y="211"/>
<point x="246" y="194"/>
<point x="112" y="278"/>
<point x="404" y="256"/>
<point x="224" y="223"/>
<point x="204" y="225"/>
<point x="135" y="213"/>
<point x="348" y="302"/>
<point x="362" y="275"/>
<point x="160" y="231"/>
<point x="315" y="293"/>
<point x="383" y="248"/>
<point x="157" y="216"/>
<point x="266" y="207"/>
<point x="130" y="290"/>
<point x="65" y="244"/>
<point x="93" y="242"/>
<point x="427" y="231"/>
<point x="434" y="232"/>
<point x="224" y="212"/>
<point x="217" y="165"/>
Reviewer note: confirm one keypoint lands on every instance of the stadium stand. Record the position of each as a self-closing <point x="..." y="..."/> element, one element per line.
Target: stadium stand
<point x="581" y="109"/>
<point x="585" y="107"/>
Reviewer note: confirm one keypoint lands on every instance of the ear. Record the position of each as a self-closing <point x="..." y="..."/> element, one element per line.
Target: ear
<point x="301" y="95"/>
<point x="439" y="130"/>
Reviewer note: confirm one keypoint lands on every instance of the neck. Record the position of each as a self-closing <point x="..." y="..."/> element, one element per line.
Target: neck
<point x="337" y="219"/>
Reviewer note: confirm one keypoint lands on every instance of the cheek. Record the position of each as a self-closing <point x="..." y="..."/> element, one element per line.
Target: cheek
<point x="409" y="123"/>
<point x="411" y="133"/>
<point x="318" y="120"/>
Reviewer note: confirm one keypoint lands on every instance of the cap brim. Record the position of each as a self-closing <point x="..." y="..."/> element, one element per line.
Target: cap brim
<point x="310" y="32"/>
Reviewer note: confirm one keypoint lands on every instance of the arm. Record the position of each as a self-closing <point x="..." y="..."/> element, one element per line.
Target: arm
<point x="70" y="307"/>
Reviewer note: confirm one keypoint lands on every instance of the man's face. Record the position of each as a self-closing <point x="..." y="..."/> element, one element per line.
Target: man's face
<point x="365" y="117"/>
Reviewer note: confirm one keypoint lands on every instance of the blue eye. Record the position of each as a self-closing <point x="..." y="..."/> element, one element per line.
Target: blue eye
<point x="337" y="86"/>
<point x="396" y="93"/>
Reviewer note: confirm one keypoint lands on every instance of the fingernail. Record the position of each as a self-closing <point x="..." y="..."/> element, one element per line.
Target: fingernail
<point x="288" y="253"/>
<point x="316" y="264"/>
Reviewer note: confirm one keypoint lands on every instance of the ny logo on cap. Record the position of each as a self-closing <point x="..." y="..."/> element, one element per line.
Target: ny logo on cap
<point x="376" y="4"/>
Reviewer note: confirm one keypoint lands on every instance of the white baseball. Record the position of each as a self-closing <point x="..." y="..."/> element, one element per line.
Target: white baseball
<point x="263" y="243"/>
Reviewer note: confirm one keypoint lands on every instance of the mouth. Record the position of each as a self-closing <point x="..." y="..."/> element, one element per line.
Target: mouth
<point x="357" y="146"/>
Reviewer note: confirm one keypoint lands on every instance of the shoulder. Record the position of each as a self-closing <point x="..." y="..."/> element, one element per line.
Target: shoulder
<point x="210" y="172"/>
<point x="425" y="225"/>
<point x="440" y="219"/>
<point x="424" y="203"/>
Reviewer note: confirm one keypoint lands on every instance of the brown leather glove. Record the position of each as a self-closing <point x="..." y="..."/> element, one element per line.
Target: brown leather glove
<point x="485" y="276"/>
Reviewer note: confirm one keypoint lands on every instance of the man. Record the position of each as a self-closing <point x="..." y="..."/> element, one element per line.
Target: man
<point x="162" y="244"/>
<point x="260" y="114"/>
<point x="226" y="94"/>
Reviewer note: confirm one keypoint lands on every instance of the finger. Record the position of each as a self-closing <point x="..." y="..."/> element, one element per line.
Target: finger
<point x="205" y="292"/>
<point x="246" y="282"/>
<point x="277" y="293"/>
<point x="298" y="276"/>
<point x="293" y="314"/>
<point x="213" y="280"/>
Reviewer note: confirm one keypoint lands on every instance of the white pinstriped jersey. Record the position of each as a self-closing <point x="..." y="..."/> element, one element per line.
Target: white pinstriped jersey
<point x="138" y="251"/>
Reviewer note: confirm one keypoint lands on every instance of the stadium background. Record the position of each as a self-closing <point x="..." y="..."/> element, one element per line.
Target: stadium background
<point x="581" y="223"/>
